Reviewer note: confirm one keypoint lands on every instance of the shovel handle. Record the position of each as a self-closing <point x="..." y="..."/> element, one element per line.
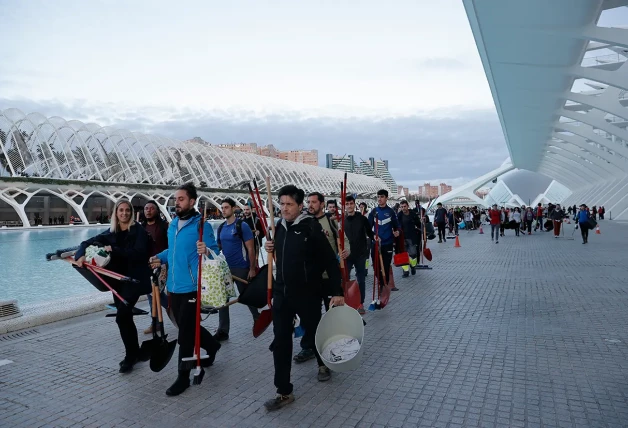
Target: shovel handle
<point x="240" y="280"/>
<point x="115" y="293"/>
<point x="271" y="212"/>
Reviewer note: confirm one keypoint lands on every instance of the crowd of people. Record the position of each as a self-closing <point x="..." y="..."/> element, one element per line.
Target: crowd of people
<point x="307" y="249"/>
<point x="521" y="220"/>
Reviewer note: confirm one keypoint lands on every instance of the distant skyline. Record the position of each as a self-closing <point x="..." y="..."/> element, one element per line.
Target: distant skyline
<point x="400" y="80"/>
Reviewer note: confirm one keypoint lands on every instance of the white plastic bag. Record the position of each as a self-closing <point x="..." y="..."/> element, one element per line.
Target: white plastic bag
<point x="216" y="282"/>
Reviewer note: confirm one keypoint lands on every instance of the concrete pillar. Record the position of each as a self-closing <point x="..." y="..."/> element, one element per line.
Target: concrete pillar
<point x="46" y="214"/>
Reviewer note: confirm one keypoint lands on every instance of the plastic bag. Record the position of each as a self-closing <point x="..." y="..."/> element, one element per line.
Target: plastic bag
<point x="216" y="282"/>
<point x="97" y="256"/>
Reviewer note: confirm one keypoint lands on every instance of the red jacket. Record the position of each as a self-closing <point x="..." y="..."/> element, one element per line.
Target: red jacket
<point x="495" y="216"/>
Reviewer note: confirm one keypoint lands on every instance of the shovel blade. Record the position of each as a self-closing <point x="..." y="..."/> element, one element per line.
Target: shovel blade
<point x="162" y="354"/>
<point x="261" y="324"/>
<point x="352" y="294"/>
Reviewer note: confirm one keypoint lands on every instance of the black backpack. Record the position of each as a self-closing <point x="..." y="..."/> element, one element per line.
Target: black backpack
<point x="238" y="228"/>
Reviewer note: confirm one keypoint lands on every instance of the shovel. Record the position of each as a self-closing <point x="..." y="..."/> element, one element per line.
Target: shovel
<point x="148" y="346"/>
<point x="164" y="350"/>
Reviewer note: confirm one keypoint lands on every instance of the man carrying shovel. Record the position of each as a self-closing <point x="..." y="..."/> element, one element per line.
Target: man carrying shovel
<point x="303" y="254"/>
<point x="181" y="256"/>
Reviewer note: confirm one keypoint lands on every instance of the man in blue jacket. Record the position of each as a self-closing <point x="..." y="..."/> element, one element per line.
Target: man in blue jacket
<point x="181" y="256"/>
<point x="387" y="231"/>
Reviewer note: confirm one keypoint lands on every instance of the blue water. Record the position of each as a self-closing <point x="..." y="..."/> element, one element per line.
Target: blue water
<point x="25" y="274"/>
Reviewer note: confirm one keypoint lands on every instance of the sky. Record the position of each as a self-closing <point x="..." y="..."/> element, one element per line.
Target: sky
<point x="399" y="80"/>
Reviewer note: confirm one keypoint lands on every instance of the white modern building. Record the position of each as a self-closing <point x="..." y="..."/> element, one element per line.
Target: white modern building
<point x="77" y="162"/>
<point x="557" y="72"/>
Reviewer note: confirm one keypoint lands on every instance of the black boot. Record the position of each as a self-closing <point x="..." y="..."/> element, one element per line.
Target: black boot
<point x="127" y="364"/>
<point x="181" y="384"/>
<point x="206" y="362"/>
<point x="405" y="274"/>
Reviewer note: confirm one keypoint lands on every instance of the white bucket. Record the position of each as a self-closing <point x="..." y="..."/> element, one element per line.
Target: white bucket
<point x="338" y="323"/>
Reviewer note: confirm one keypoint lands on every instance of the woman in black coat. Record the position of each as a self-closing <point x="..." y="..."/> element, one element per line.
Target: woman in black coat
<point x="128" y="243"/>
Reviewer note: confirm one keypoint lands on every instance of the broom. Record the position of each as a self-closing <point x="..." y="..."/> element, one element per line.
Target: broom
<point x="198" y="370"/>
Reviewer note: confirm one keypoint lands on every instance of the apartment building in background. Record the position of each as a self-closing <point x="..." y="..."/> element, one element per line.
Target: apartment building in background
<point x="370" y="168"/>
<point x="308" y="157"/>
<point x="429" y="191"/>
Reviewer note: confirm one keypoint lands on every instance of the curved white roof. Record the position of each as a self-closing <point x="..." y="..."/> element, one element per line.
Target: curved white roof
<point x="36" y="146"/>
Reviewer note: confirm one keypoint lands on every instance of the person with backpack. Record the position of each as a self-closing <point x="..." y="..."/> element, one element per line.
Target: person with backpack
<point x="236" y="241"/>
<point x="302" y="254"/>
<point x="255" y="225"/>
<point x="387" y="231"/>
<point x="357" y="231"/>
<point x="583" y="223"/>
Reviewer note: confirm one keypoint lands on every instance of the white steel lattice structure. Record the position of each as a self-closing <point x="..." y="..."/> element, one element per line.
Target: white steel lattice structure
<point x="559" y="82"/>
<point x="55" y="149"/>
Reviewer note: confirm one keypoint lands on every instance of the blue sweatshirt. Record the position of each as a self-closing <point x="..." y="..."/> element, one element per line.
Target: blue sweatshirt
<point x="583" y="216"/>
<point x="387" y="222"/>
<point x="181" y="256"/>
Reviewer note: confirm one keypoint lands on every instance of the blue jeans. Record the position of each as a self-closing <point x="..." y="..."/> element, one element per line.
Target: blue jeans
<point x="360" y="272"/>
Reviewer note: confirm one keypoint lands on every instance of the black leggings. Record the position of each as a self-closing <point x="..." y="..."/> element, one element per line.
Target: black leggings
<point x="529" y="224"/>
<point x="184" y="310"/>
<point x="126" y="325"/>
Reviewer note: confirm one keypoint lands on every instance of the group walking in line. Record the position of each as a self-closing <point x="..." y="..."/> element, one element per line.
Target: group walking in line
<point x="308" y="249"/>
<point x="308" y="244"/>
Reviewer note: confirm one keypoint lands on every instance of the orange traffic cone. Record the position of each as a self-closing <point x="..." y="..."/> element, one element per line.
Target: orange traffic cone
<point x="597" y="230"/>
<point x="457" y="244"/>
<point x="481" y="231"/>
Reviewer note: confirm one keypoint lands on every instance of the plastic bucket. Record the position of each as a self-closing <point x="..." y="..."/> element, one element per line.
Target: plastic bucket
<point x="338" y="323"/>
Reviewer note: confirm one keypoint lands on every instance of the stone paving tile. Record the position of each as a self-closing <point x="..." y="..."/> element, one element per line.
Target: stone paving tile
<point x="530" y="332"/>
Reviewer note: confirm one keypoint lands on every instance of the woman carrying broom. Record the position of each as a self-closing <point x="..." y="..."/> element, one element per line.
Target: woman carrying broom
<point x="127" y="242"/>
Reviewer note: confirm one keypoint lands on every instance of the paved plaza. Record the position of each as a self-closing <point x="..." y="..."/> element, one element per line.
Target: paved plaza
<point x="530" y="332"/>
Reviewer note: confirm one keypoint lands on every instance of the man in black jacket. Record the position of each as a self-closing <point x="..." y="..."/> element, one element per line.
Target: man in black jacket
<point x="357" y="229"/>
<point x="410" y="224"/>
<point x="303" y="254"/>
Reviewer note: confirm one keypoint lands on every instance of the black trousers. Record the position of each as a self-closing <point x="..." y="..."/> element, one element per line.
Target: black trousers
<point x="529" y="225"/>
<point x="126" y="325"/>
<point x="441" y="231"/>
<point x="387" y="256"/>
<point x="284" y="309"/>
<point x="584" y="231"/>
<point x="184" y="310"/>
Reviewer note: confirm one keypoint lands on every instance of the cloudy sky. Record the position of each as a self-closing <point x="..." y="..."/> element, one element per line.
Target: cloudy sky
<point x="398" y="80"/>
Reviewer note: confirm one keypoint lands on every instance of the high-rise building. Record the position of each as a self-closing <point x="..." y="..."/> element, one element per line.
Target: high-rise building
<point x="308" y="157"/>
<point x="444" y="188"/>
<point x="428" y="191"/>
<point x="345" y="163"/>
<point x="370" y="168"/>
<point x="269" y="151"/>
<point x="239" y="147"/>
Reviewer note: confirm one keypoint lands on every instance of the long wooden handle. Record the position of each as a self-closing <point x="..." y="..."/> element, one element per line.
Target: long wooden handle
<point x="271" y="213"/>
